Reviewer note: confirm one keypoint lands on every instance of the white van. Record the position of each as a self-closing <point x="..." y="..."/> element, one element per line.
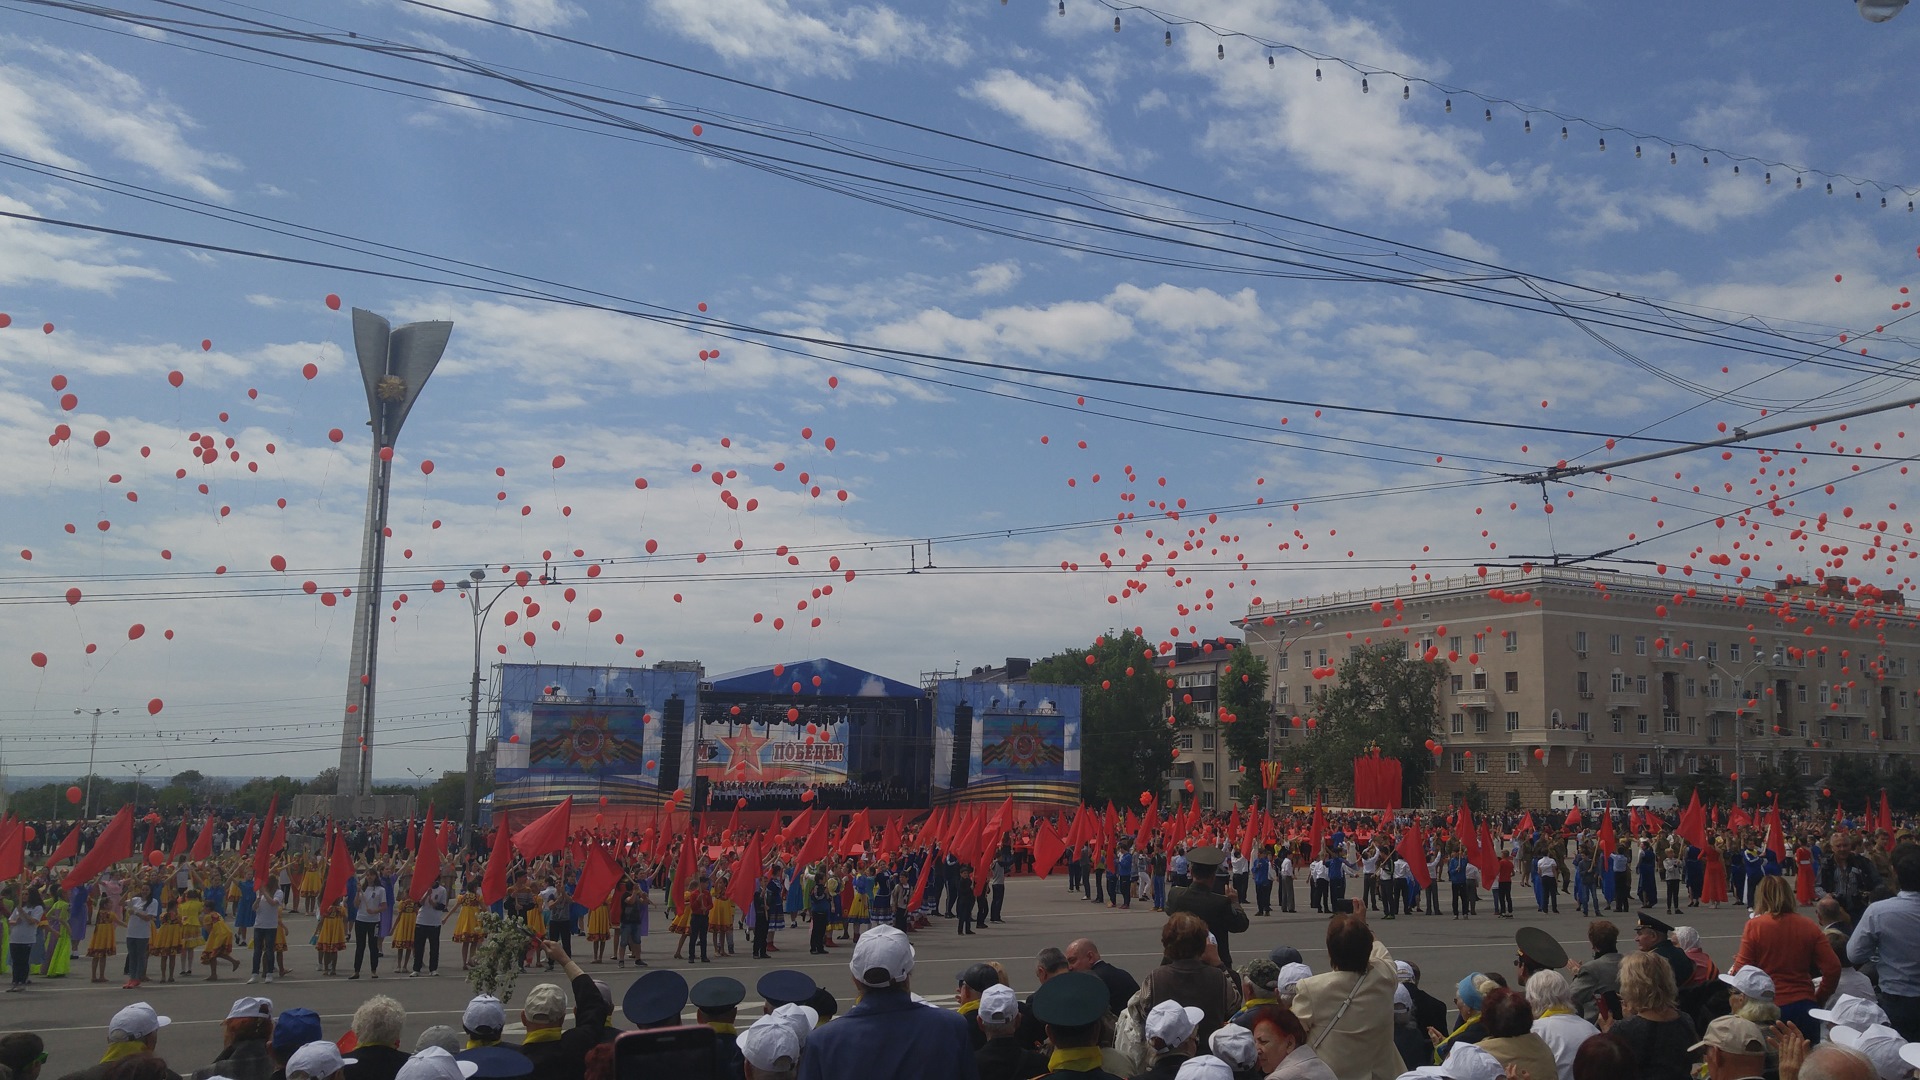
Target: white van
<point x="1580" y="799"/>
<point x="1657" y="803"/>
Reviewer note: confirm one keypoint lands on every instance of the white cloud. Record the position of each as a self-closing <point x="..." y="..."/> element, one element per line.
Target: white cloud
<point x="1185" y="310"/>
<point x="49" y="95"/>
<point x="34" y="253"/>
<point x="808" y="37"/>
<point x="1061" y="111"/>
<point x="1074" y="328"/>
<point x="537" y="14"/>
<point x="994" y="278"/>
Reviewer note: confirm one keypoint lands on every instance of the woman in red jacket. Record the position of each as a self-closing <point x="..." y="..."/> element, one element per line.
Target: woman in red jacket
<point x="1788" y="946"/>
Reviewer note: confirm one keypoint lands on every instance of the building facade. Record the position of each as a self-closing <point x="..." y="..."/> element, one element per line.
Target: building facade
<point x="1579" y="679"/>
<point x="1201" y="757"/>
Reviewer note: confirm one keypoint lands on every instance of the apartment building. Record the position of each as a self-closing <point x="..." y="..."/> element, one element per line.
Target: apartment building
<point x="1563" y="678"/>
<point x="1200" y="751"/>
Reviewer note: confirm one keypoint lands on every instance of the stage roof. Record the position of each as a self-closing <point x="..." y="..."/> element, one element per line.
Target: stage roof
<point x="836" y="680"/>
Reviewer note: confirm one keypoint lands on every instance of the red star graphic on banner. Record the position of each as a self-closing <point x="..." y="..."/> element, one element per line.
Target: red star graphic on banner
<point x="744" y="748"/>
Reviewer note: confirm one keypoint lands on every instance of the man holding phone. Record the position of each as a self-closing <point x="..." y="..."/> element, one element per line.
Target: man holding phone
<point x="888" y="1033"/>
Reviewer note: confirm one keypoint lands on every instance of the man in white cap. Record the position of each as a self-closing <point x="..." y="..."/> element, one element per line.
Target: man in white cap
<point x="1466" y="1062"/>
<point x="1849" y="1011"/>
<point x="133" y="1032"/>
<point x="483" y="1020"/>
<point x="317" y="1061"/>
<point x="544" y="1016"/>
<point x="1881" y="1045"/>
<point x="1234" y="1045"/>
<point x="433" y="1063"/>
<point x="247" y="1033"/>
<point x="1204" y="1067"/>
<point x="1002" y="1056"/>
<point x="888" y="1033"/>
<point x="1170" y="1028"/>
<point x="771" y="1049"/>
<point x="1749" y="984"/>
<point x="1736" y="1049"/>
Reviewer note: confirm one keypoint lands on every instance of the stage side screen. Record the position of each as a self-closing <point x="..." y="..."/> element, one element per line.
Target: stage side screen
<point x="992" y="740"/>
<point x="624" y="733"/>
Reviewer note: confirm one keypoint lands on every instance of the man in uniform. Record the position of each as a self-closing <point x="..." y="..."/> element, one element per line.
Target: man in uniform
<point x="1656" y="937"/>
<point x="1538" y="951"/>
<point x="655" y="1000"/>
<point x="1072" y="1006"/>
<point x="784" y="986"/>
<point x="716" y="1003"/>
<point x="1219" y="910"/>
<point x="1596" y="978"/>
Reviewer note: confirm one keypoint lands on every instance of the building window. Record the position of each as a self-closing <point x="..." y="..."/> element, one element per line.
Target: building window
<point x="1692" y="686"/>
<point x="1820" y="659"/>
<point x="1206" y="800"/>
<point x="1586" y="761"/>
<point x="1513" y="721"/>
<point x="1643" y="723"/>
<point x="1713" y="650"/>
<point x="1480" y="764"/>
<point x="1479" y="680"/>
<point x="1613" y="644"/>
<point x="1479" y="722"/>
<point x="1846" y="731"/>
<point x="1283" y="728"/>
<point x="1513" y="761"/>
<point x="1206" y="770"/>
<point x="1618" y="684"/>
<point x="1619" y="764"/>
<point x="1640" y="684"/>
<point x="1733" y="652"/>
<point x="1642" y="761"/>
<point x="1206" y="740"/>
<point x="1323" y="658"/>
<point x="1616" y="723"/>
<point x="1803" y="729"/>
<point x="1513" y="682"/>
<point x="1580" y="685"/>
<point x="1453" y="643"/>
<point x="1824" y="694"/>
<point x="1459" y="723"/>
<point x="1306" y="694"/>
<point x="1511" y="639"/>
<point x="1800" y="693"/>
<point x="1280" y="695"/>
<point x="1580" y="642"/>
<point x="1825" y="731"/>
<point x="1585" y="723"/>
<point x="1670" y="722"/>
<point x="1639" y="644"/>
<point x="1186" y="740"/>
<point x="1459" y="763"/>
<point x="1457" y="682"/>
<point x="1280" y="662"/>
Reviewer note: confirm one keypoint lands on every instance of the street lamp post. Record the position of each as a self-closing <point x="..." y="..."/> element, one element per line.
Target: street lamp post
<point x="480" y="612"/>
<point x="1281" y="642"/>
<point x="1739" y="724"/>
<point x="139" y="780"/>
<point x="93" y="744"/>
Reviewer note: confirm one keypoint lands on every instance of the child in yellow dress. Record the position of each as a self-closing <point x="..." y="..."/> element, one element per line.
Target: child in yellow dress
<point x="310" y="885"/>
<point x="190" y="937"/>
<point x="331" y="937"/>
<point x="720" y="922"/>
<point x="280" y="948"/>
<point x="406" y="915"/>
<point x="219" y="944"/>
<point x="104" y="941"/>
<point x="466" y="925"/>
<point x="165" y="943"/>
<point x="599" y="930"/>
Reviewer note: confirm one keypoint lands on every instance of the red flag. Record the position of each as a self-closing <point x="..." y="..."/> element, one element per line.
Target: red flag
<point x="930" y="829"/>
<point x="13" y="848"/>
<point x="1608" y="842"/>
<point x="493" y="885"/>
<point x="1253" y="833"/>
<point x="1526" y="824"/>
<point x="426" y="864"/>
<point x="114" y="843"/>
<point x="1233" y="830"/>
<point x="340" y="871"/>
<point x="1576" y="818"/>
<point x="1413" y="848"/>
<point x="1047" y="850"/>
<point x="386" y="834"/>
<point x="799" y="826"/>
<point x="203" y="843"/>
<point x="1486" y="860"/>
<point x="1148" y="825"/>
<point x="69" y="847"/>
<point x="547" y="833"/>
<point x="920" y="887"/>
<point x="263" y="851"/>
<point x="1886" y="819"/>
<point x="891" y="840"/>
<point x="1110" y="829"/>
<point x="733" y="822"/>
<point x="1774" y="838"/>
<point x="815" y="848"/>
<point x="1319" y="827"/>
<point x="246" y="842"/>
<point x="746" y="876"/>
<point x="597" y="880"/>
<point x="853" y="841"/>
<point x="179" y="841"/>
<point x="1693" y="822"/>
<point x="683" y="871"/>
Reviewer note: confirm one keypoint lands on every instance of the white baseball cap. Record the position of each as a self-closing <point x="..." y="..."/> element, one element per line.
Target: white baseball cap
<point x="882" y="948"/>
<point x="1233" y="1044"/>
<point x="999" y="1005"/>
<point x="484" y="1011"/>
<point x="546" y="1004"/>
<point x="1204" y="1067"/>
<point x="1466" y="1062"/>
<point x="434" y="1063"/>
<point x="801" y="1018"/>
<point x="1404" y="970"/>
<point x="1403" y="998"/>
<point x="770" y="1045"/>
<point x="1171" y="1023"/>
<point x="1290" y="977"/>
<point x="316" y="1060"/>
<point x="251" y="1008"/>
<point x="138" y="1020"/>
<point x="1853" y="1012"/>
<point x="1882" y="1045"/>
<point x="1752" y="982"/>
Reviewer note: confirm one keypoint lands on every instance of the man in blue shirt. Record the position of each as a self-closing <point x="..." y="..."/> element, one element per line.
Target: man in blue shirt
<point x="1889" y="933"/>
<point x="1124" y="876"/>
<point x="889" y="1034"/>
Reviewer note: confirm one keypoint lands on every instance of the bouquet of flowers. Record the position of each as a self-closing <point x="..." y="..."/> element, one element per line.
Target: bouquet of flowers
<point x="497" y="962"/>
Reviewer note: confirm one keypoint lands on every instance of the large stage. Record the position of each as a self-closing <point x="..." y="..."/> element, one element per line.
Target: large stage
<point x="628" y="743"/>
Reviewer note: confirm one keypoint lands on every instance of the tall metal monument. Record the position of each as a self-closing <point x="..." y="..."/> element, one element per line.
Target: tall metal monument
<point x="394" y="364"/>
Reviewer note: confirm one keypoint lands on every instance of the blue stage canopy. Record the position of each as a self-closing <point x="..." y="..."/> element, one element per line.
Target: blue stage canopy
<point x="836" y="680"/>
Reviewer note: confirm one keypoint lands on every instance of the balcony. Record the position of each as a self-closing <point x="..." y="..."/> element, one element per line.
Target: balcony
<point x="1625" y="699"/>
<point x="1473" y="699"/>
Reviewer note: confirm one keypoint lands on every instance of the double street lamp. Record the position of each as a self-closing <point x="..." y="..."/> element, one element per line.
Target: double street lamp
<point x="1294" y="628"/>
<point x="1739" y="721"/>
<point x="480" y="612"/>
<point x="93" y="744"/>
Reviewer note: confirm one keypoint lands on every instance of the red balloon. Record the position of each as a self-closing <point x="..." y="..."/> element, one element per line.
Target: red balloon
<point x="335" y="434"/>
<point x="39" y="659"/>
<point x="740" y="804"/>
<point x="310" y="371"/>
<point x="176" y="378"/>
<point x="333" y="302"/>
<point x="156" y="858"/>
<point x="102" y="438"/>
<point x="427" y="466"/>
<point x="154" y="706"/>
<point x="136" y="631"/>
<point x="74" y="795"/>
<point x="28" y="832"/>
<point x="206" y="345"/>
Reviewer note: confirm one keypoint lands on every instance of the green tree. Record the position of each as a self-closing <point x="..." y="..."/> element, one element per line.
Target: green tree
<point x="1243" y="694"/>
<point x="255" y="795"/>
<point x="447" y="793"/>
<point x="1475" y="797"/>
<point x="1854" y="781"/>
<point x="1713" y="788"/>
<point x="1126" y="746"/>
<point x="326" y="783"/>
<point x="1383" y="698"/>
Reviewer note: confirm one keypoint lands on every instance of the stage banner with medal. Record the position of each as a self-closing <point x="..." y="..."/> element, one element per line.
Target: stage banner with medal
<point x="1019" y="739"/>
<point x="807" y="754"/>
<point x="623" y="733"/>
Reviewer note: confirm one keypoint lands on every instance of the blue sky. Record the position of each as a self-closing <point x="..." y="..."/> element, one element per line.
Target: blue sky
<point x="1090" y="203"/>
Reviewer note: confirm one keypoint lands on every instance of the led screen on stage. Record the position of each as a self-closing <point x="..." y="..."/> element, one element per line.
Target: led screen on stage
<point x="808" y="754"/>
<point x="1016" y="746"/>
<point x="588" y="738"/>
<point x="995" y="739"/>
